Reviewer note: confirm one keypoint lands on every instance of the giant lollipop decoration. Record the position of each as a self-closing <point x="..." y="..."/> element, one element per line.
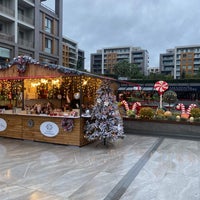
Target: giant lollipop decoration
<point x="161" y="87"/>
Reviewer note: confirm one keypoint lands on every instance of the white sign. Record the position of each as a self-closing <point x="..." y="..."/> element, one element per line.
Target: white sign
<point x="3" y="124"/>
<point x="49" y="129"/>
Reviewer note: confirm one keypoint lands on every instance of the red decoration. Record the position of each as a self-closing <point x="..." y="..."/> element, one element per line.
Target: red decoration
<point x="161" y="87"/>
<point x="136" y="107"/>
<point x="125" y="105"/>
<point x="181" y="107"/>
<point x="191" y="106"/>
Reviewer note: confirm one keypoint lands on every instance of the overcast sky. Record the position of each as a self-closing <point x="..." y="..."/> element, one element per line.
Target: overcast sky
<point x="154" y="25"/>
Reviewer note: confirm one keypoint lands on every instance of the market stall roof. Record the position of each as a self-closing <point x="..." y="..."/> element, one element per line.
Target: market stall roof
<point x="25" y="67"/>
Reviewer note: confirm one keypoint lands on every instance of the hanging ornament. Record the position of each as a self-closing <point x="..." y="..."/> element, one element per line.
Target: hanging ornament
<point x="98" y="100"/>
<point x="106" y="103"/>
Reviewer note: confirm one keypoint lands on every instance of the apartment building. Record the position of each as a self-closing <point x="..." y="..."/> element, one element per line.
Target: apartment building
<point x="153" y="70"/>
<point x="81" y="60"/>
<point x="73" y="57"/>
<point x="103" y="60"/>
<point x="167" y="62"/>
<point x="29" y="27"/>
<point x="182" y="60"/>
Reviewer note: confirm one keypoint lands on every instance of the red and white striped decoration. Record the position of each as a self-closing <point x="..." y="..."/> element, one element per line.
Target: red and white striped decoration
<point x="161" y="87"/>
<point x="181" y="107"/>
<point x="136" y="105"/>
<point x="125" y="105"/>
<point x="191" y="106"/>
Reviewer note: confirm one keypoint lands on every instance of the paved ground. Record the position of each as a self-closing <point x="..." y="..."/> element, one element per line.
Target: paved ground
<point x="135" y="168"/>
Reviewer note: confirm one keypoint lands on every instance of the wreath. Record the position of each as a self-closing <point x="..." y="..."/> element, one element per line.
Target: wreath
<point x="67" y="124"/>
<point x="21" y="68"/>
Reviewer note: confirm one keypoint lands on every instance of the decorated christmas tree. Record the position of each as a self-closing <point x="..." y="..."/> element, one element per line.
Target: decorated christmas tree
<point x="105" y="123"/>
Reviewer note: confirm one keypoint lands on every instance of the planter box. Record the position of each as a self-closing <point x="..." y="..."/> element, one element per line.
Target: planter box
<point x="162" y="128"/>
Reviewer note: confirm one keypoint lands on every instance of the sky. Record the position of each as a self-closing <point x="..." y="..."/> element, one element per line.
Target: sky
<point x="154" y="25"/>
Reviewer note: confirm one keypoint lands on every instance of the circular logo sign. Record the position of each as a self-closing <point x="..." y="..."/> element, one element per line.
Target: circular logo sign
<point x="49" y="129"/>
<point x="3" y="124"/>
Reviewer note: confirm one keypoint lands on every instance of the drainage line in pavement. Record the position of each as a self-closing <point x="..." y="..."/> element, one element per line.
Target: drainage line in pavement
<point x="123" y="184"/>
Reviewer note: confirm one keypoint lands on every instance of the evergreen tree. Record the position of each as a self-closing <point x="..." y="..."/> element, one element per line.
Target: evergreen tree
<point x="106" y="122"/>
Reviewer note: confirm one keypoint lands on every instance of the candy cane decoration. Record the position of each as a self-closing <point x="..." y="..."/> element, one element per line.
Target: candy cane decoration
<point x="161" y="87"/>
<point x="136" y="105"/>
<point x="125" y="105"/>
<point x="191" y="106"/>
<point x="181" y="107"/>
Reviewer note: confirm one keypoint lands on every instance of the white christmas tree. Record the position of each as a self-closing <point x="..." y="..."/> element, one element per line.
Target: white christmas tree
<point x="105" y="123"/>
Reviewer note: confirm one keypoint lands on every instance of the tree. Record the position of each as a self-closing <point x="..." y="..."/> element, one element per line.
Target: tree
<point x="183" y="74"/>
<point x="106" y="122"/>
<point x="170" y="97"/>
<point x="125" y="69"/>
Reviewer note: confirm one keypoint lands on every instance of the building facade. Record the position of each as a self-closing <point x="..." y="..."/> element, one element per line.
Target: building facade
<point x="28" y="27"/>
<point x="167" y="62"/>
<point x="103" y="60"/>
<point x="153" y="70"/>
<point x="72" y="56"/>
<point x="181" y="61"/>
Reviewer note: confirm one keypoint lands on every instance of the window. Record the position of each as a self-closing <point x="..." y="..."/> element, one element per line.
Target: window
<point x="48" y="25"/>
<point x="21" y="35"/>
<point x="183" y="67"/>
<point x="184" y="55"/>
<point x="48" y="45"/>
<point x="21" y="14"/>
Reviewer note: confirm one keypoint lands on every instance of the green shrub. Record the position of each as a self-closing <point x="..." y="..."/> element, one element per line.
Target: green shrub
<point x="195" y="112"/>
<point x="146" y="113"/>
<point x="130" y="113"/>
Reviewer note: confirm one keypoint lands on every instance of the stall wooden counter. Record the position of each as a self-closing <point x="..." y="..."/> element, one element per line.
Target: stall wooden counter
<point x="32" y="127"/>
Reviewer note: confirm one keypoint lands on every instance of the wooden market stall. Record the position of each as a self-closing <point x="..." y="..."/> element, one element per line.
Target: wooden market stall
<point x="27" y="86"/>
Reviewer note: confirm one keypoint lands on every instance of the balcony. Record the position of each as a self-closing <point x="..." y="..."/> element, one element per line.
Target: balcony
<point x="7" y="11"/>
<point x="28" y="1"/>
<point x="6" y="37"/>
<point x="25" y="43"/>
<point x="25" y="19"/>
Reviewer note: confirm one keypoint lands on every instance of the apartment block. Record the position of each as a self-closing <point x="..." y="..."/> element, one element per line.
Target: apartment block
<point x="181" y="61"/>
<point x="72" y="56"/>
<point x="153" y="70"/>
<point x="167" y="61"/>
<point x="29" y="27"/>
<point x="103" y="60"/>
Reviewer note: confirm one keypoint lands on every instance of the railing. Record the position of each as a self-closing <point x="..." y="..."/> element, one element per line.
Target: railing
<point x="25" y="19"/>
<point x="25" y="43"/>
<point x="7" y="11"/>
<point x="4" y="36"/>
<point x="31" y="1"/>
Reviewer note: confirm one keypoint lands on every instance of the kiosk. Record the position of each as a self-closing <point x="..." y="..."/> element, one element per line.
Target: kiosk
<point x="27" y="88"/>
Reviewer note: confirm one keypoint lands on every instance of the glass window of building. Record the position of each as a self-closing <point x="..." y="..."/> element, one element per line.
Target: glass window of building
<point x="48" y="25"/>
<point x="183" y="67"/>
<point x="48" y="45"/>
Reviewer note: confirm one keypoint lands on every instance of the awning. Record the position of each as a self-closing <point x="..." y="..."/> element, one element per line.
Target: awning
<point x="121" y="88"/>
<point x="147" y="88"/>
<point x="135" y="88"/>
